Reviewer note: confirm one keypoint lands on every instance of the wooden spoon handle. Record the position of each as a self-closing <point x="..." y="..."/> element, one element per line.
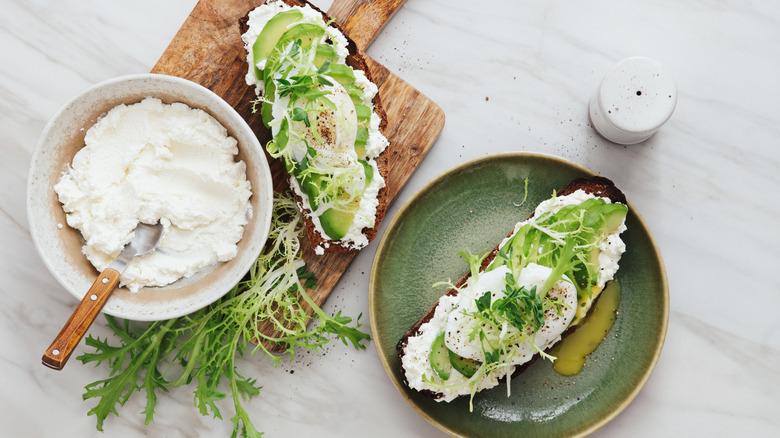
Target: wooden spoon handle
<point x="362" y="20"/>
<point x="88" y="309"/>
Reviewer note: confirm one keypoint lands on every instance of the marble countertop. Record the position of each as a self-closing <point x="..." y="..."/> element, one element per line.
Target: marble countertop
<point x="510" y="76"/>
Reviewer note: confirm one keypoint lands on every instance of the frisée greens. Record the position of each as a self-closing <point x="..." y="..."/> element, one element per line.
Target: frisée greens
<point x="320" y="111"/>
<point x="203" y="347"/>
<point x="561" y="247"/>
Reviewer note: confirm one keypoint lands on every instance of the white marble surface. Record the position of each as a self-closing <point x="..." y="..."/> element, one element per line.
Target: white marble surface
<point x="707" y="184"/>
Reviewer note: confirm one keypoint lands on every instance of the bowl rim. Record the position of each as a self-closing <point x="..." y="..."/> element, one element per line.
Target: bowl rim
<point x="372" y="285"/>
<point x="218" y="101"/>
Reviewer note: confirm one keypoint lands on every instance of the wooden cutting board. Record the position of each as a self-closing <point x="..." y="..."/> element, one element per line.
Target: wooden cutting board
<point x="208" y="50"/>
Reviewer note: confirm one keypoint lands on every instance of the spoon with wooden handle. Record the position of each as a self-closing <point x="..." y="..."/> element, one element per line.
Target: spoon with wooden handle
<point x="145" y="240"/>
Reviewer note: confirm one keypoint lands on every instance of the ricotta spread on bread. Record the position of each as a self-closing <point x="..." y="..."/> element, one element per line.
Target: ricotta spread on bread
<point x="322" y="116"/>
<point x="452" y="317"/>
<point x="611" y="247"/>
<point x="150" y="162"/>
<point x="457" y="318"/>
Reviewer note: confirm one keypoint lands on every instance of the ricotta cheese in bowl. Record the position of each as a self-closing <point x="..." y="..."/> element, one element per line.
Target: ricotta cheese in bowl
<point x="149" y="162"/>
<point x="184" y="157"/>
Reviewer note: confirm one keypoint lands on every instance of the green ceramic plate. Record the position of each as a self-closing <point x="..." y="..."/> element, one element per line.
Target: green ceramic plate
<point x="474" y="206"/>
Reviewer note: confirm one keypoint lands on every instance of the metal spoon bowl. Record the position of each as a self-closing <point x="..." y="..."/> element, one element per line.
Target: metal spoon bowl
<point x="145" y="240"/>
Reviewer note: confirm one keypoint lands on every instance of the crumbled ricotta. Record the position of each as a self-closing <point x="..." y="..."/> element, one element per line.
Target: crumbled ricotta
<point x="612" y="247"/>
<point x="451" y="317"/>
<point x="365" y="216"/>
<point x="449" y="314"/>
<point x="257" y="20"/>
<point x="151" y="162"/>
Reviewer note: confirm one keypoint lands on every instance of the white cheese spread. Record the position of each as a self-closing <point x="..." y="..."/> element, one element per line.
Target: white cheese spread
<point x="459" y="325"/>
<point x="257" y="20"/>
<point x="451" y="318"/>
<point x="339" y="156"/>
<point x="612" y="247"/>
<point x="151" y="162"/>
<point x="450" y="314"/>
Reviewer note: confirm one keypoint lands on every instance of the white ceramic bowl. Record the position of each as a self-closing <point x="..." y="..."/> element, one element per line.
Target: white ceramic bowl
<point x="60" y="245"/>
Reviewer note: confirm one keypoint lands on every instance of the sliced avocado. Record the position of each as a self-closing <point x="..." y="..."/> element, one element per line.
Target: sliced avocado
<point x="312" y="186"/>
<point x="589" y="203"/>
<point x="363" y="113"/>
<point x="360" y="141"/>
<point x="613" y="217"/>
<point x="569" y="210"/>
<point x="355" y="93"/>
<point x="465" y="366"/>
<point x="360" y="149"/>
<point x="593" y="212"/>
<point x="368" y="170"/>
<point x="325" y="51"/>
<point x="342" y="74"/>
<point x="600" y="219"/>
<point x="305" y="32"/>
<point x="605" y="220"/>
<point x="270" y="35"/>
<point x="439" y="357"/>
<point x="266" y="109"/>
<point x="336" y="223"/>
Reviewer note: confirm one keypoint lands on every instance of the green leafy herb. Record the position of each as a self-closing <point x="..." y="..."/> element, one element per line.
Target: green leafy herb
<point x="525" y="193"/>
<point x="324" y="81"/>
<point x="483" y="302"/>
<point x="299" y="115"/>
<point x="474" y="261"/>
<point x="292" y="73"/>
<point x="563" y="240"/>
<point x="492" y="355"/>
<point x="520" y="306"/>
<point x="324" y="67"/>
<point x="202" y="348"/>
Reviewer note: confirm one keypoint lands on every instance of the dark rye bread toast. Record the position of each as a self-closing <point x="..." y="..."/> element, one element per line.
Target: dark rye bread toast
<point x="596" y="185"/>
<point x="356" y="61"/>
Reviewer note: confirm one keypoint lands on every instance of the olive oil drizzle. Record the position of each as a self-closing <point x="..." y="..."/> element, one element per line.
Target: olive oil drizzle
<point x="572" y="351"/>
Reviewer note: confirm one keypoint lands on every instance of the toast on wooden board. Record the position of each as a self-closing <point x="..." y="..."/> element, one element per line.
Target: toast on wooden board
<point x="323" y="244"/>
<point x="597" y="186"/>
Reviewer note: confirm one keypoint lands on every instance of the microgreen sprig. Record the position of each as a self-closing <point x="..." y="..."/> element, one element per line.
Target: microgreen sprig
<point x="562" y="240"/>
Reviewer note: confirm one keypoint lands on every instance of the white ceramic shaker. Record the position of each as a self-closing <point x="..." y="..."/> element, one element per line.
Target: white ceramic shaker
<point x="635" y="98"/>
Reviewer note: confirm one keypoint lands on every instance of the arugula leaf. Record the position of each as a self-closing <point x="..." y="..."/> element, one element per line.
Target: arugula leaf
<point x="202" y="347"/>
<point x="338" y="327"/>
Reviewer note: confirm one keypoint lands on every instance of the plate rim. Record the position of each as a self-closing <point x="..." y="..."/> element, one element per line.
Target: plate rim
<point x="372" y="313"/>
